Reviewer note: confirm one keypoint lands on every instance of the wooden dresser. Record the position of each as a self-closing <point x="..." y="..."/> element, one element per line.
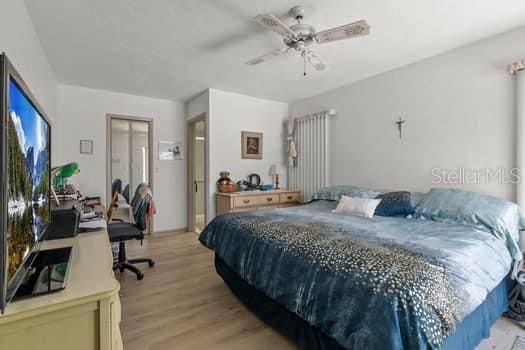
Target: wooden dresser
<point x="252" y="200"/>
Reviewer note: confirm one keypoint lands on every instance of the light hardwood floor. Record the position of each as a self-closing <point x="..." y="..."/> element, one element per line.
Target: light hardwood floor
<point x="183" y="304"/>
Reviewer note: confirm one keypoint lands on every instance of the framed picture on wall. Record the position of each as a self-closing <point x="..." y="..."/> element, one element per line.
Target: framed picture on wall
<point x="86" y="146"/>
<point x="169" y="150"/>
<point x="251" y="145"/>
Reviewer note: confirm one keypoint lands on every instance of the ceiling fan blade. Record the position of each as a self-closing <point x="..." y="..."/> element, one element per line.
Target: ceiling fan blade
<point x="347" y="31"/>
<point x="267" y="56"/>
<point x="273" y="23"/>
<point x="315" y="60"/>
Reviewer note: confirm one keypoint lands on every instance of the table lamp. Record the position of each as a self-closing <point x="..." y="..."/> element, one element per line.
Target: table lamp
<point x="62" y="173"/>
<point x="275" y="170"/>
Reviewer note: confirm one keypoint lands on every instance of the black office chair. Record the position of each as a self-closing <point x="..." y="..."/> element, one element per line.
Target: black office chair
<point x="116" y="189"/>
<point x="120" y="231"/>
<point x="125" y="193"/>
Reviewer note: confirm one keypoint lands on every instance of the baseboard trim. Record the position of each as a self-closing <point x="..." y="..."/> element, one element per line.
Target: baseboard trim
<point x="173" y="230"/>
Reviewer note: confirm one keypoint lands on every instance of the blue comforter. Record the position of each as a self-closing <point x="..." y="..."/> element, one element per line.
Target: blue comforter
<point x="380" y="283"/>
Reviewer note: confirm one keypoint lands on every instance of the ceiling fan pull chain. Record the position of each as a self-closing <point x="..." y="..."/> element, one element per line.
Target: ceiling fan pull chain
<point x="304" y="71"/>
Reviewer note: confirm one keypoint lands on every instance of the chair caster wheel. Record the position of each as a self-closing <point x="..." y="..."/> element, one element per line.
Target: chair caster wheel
<point x="121" y="270"/>
<point x="140" y="276"/>
<point x="151" y="263"/>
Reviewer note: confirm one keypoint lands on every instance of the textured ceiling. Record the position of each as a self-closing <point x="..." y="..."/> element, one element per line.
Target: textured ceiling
<point x="177" y="48"/>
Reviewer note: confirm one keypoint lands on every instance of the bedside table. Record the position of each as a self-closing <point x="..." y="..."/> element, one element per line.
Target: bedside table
<point x="253" y="200"/>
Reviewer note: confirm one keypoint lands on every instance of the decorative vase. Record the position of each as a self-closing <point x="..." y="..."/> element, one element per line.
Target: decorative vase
<point x="225" y="184"/>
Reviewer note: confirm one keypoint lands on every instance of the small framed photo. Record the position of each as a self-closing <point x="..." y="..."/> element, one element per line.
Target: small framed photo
<point x="86" y="146"/>
<point x="251" y="145"/>
<point x="169" y="150"/>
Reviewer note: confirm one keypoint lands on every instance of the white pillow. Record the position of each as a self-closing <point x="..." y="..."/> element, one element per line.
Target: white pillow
<point x="357" y="206"/>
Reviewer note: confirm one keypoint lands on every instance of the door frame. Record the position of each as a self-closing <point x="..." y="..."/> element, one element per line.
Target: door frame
<point x="109" y="153"/>
<point x="190" y="135"/>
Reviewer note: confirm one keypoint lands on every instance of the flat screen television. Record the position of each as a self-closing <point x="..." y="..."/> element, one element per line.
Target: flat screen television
<point x="25" y="151"/>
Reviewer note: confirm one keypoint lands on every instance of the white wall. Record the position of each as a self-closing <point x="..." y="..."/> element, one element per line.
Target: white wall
<point x="19" y="41"/>
<point x="231" y="113"/>
<point x="459" y="109"/>
<point x="198" y="105"/>
<point x="227" y="114"/>
<point x="82" y="115"/>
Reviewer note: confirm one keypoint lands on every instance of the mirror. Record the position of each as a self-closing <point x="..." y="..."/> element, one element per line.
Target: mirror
<point x="130" y="151"/>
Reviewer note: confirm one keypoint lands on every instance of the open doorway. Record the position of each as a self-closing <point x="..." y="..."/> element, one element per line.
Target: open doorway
<point x="197" y="173"/>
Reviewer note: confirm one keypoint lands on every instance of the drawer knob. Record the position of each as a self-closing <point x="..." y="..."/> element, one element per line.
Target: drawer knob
<point x="289" y="197"/>
<point x="246" y="201"/>
<point x="269" y="199"/>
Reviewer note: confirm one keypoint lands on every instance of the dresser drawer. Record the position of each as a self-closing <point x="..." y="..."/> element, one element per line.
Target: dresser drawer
<point x="292" y="197"/>
<point x="270" y="199"/>
<point x="245" y="201"/>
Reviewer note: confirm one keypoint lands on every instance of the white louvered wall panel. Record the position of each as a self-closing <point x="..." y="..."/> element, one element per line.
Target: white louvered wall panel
<point x="312" y="170"/>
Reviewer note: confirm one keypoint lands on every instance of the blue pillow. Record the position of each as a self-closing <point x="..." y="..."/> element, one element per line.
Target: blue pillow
<point x="334" y="193"/>
<point x="394" y="204"/>
<point x="498" y="216"/>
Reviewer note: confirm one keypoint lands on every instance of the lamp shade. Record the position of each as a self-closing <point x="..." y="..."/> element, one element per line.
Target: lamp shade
<point x="274" y="170"/>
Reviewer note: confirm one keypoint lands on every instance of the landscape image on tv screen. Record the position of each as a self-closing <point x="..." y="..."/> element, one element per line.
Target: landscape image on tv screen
<point x="28" y="177"/>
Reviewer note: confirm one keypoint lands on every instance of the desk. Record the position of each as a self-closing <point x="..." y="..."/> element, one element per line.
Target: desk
<point x="84" y="316"/>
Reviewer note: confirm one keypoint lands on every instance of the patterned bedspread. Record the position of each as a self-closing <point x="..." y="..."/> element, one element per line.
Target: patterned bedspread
<point x="380" y="283"/>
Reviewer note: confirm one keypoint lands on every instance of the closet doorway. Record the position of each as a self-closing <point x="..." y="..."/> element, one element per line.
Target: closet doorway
<point x="197" y="183"/>
<point x="129" y="157"/>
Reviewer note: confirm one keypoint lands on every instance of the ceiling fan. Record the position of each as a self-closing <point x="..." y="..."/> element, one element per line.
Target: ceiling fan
<point x="302" y="36"/>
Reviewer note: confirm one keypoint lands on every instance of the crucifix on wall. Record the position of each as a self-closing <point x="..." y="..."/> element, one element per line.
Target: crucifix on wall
<point x="400" y="123"/>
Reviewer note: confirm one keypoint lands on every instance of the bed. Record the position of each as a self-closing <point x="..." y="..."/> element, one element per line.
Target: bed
<point x="332" y="281"/>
